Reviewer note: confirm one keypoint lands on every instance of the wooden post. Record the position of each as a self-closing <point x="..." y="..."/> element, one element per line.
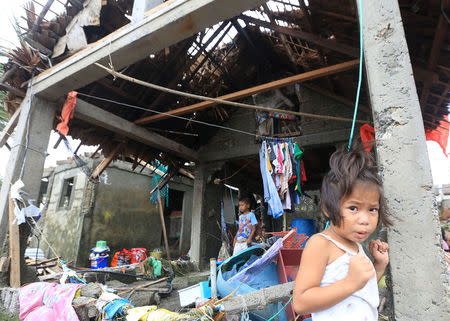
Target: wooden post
<point x="14" y="248"/>
<point x="163" y="223"/>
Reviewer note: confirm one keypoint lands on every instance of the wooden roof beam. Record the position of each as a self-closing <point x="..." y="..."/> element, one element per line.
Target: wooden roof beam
<point x="314" y="74"/>
<point x="101" y="118"/>
<point x="305" y="36"/>
<point x="161" y="27"/>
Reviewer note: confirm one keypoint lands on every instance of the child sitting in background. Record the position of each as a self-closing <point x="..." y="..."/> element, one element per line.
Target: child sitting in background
<point x="247" y="226"/>
<point x="336" y="281"/>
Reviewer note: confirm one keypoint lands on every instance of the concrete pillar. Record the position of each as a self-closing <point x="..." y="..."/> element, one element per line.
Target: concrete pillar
<point x="142" y="6"/>
<point x="418" y="279"/>
<point x="35" y="124"/>
<point x="198" y="207"/>
<point x="186" y="222"/>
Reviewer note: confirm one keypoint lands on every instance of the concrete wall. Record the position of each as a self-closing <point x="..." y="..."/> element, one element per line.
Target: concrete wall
<point x="227" y="144"/>
<point x="123" y="214"/>
<point x="63" y="226"/>
<point x="117" y="209"/>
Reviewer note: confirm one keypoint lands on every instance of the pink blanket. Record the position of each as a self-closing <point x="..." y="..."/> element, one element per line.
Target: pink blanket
<point x="47" y="301"/>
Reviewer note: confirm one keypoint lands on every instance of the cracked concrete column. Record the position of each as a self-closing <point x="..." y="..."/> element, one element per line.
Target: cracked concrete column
<point x="198" y="210"/>
<point x="33" y="130"/>
<point x="417" y="268"/>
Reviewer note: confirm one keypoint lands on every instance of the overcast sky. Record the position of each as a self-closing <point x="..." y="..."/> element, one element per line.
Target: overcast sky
<point x="11" y="8"/>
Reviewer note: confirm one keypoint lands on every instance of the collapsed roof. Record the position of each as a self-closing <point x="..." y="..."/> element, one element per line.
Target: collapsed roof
<point x="279" y="39"/>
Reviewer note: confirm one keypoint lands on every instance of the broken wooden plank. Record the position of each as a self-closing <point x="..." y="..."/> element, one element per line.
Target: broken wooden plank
<point x="105" y="162"/>
<point x="161" y="27"/>
<point x="100" y="117"/>
<point x="258" y="300"/>
<point x="254" y="90"/>
<point x="14" y="247"/>
<point x="9" y="128"/>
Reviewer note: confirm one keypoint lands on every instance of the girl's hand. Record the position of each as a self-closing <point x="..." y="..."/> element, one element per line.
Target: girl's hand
<point x="360" y="271"/>
<point x="379" y="252"/>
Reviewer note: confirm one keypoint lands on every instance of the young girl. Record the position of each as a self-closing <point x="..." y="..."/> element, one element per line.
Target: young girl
<point x="336" y="280"/>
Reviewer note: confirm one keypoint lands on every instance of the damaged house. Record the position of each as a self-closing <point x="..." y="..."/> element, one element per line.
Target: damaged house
<point x="198" y="85"/>
<point x="79" y="212"/>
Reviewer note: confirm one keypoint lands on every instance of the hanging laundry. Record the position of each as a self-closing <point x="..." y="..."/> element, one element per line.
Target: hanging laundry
<point x="298" y="153"/>
<point x="271" y="195"/>
<point x="288" y="173"/>
<point x="67" y="113"/>
<point x="283" y="174"/>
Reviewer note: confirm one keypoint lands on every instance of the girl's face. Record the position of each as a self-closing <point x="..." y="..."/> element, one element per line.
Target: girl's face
<point x="359" y="212"/>
<point x="243" y="206"/>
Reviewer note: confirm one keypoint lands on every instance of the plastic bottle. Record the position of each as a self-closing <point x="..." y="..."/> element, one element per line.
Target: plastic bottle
<point x="99" y="255"/>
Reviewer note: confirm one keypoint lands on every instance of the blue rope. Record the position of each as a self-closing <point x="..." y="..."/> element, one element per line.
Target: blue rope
<point x="281" y="310"/>
<point x="361" y="55"/>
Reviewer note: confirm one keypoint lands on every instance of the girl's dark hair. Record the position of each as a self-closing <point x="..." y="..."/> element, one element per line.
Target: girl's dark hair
<point x="346" y="168"/>
<point x="246" y="199"/>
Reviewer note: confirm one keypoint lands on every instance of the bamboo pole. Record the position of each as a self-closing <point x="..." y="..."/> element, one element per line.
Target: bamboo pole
<point x="163" y="223"/>
<point x="209" y="102"/>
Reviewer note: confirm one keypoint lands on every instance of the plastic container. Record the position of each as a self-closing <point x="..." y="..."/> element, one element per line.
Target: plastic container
<point x="304" y="226"/>
<point x="99" y="255"/>
<point x="189" y="295"/>
<point x="32" y="253"/>
<point x="287" y="268"/>
<point x="138" y="254"/>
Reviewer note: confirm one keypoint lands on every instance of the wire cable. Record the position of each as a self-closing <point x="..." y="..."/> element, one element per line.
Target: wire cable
<point x="358" y="90"/>
<point x="173" y="116"/>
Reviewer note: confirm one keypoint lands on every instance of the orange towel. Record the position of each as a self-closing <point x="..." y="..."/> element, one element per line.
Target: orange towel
<point x="67" y="113"/>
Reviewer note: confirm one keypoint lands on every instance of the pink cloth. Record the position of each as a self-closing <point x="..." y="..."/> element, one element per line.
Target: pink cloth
<point x="47" y="301"/>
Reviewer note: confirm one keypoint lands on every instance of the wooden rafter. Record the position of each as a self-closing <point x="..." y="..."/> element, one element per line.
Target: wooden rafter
<point x="254" y="90"/>
<point x="187" y="65"/>
<point x="306" y="36"/>
<point x="175" y="59"/>
<point x="107" y="160"/>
